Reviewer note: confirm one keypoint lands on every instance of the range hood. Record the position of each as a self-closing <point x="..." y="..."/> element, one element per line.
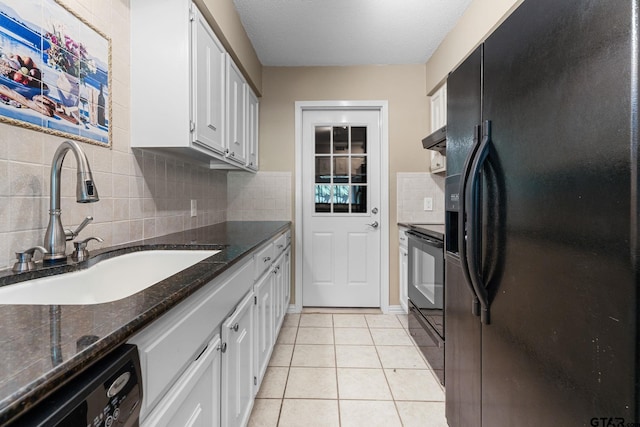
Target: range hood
<point x="436" y="141"/>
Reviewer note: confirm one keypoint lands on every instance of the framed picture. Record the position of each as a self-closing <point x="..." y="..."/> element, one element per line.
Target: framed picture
<point x="55" y="71"/>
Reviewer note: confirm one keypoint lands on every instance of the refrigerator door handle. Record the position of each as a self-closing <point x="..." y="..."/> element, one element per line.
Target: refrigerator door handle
<point x="473" y="203"/>
<point x="462" y="223"/>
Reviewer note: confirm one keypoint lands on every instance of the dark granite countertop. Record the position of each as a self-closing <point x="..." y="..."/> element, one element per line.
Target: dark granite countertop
<point x="42" y="346"/>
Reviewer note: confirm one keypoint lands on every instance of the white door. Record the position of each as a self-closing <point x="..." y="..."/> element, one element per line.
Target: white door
<point x="341" y="208"/>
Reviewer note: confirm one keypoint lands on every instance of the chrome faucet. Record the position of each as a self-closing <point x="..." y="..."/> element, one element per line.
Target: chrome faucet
<point x="55" y="238"/>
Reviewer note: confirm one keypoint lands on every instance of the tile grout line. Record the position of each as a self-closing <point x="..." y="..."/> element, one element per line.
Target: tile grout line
<point x="335" y="360"/>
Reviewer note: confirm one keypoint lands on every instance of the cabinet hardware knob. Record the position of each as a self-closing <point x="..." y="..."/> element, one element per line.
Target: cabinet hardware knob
<point x="223" y="347"/>
<point x="267" y="259"/>
<point x="235" y="327"/>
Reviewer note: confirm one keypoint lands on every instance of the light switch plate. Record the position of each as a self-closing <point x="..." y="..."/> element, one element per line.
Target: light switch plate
<point x="428" y="203"/>
<point x="194" y="207"/>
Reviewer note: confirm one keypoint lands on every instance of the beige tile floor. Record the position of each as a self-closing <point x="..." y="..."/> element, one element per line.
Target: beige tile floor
<point x="347" y="368"/>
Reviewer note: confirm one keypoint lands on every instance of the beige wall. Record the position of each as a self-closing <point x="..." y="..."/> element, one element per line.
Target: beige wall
<point x="477" y="22"/>
<point x="401" y="85"/>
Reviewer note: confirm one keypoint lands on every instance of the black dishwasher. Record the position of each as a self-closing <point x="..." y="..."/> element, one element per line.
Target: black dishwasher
<point x="107" y="394"/>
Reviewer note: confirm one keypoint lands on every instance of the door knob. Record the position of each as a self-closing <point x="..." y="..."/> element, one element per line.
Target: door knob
<point x="374" y="211"/>
<point x="374" y="224"/>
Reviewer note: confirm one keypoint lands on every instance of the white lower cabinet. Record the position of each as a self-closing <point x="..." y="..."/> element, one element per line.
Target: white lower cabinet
<point x="194" y="401"/>
<point x="237" y="364"/>
<point x="286" y="271"/>
<point x="202" y="366"/>
<point x="279" y="283"/>
<point x="264" y="324"/>
<point x="403" y="263"/>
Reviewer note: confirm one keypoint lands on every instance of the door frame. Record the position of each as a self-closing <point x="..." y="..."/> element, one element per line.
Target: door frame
<point x="383" y="108"/>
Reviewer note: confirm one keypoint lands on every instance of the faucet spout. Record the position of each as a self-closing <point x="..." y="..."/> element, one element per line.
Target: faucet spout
<point x="86" y="192"/>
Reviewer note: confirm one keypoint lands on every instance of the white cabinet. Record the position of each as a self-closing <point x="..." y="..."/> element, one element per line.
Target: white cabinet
<point x="253" y="113"/>
<point x="438" y="120"/>
<point x="202" y="366"/>
<point x="209" y="86"/>
<point x="264" y="324"/>
<point x="238" y="377"/>
<point x="236" y="109"/>
<point x="286" y="271"/>
<point x="403" y="263"/>
<point x="168" y="346"/>
<point x="188" y="98"/>
<point x="272" y="294"/>
<point x="279" y="284"/>
<point x="195" y="398"/>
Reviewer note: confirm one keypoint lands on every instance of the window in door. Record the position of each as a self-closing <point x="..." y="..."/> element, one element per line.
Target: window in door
<point x="341" y="169"/>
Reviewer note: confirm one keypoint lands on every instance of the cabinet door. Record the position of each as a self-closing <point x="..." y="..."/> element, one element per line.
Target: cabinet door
<point x="236" y="126"/>
<point x="403" y="279"/>
<point x="286" y="274"/>
<point x="208" y="86"/>
<point x="195" y="398"/>
<point x="238" y="365"/>
<point x="279" y="294"/>
<point x="438" y="119"/>
<point x="253" y="110"/>
<point x="264" y="325"/>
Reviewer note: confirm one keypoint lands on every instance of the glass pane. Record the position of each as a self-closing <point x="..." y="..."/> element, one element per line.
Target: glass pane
<point x="358" y="169"/>
<point x="340" y="140"/>
<point x="341" y="198"/>
<point x="359" y="199"/>
<point x="323" y="198"/>
<point x="323" y="169"/>
<point x="323" y="140"/>
<point x="358" y="140"/>
<point x="341" y="170"/>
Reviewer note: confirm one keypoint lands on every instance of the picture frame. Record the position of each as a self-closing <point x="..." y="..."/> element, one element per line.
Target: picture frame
<point x="55" y="71"/>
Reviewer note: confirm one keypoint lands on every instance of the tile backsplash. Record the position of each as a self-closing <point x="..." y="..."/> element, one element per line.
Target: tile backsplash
<point x="141" y="194"/>
<point x="412" y="189"/>
<point x="263" y="196"/>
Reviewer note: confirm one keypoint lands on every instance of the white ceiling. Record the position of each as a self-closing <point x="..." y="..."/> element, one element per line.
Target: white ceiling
<point x="347" y="32"/>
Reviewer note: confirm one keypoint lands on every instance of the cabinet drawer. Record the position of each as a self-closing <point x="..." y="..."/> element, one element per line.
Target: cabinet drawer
<point x="280" y="245"/>
<point x="402" y="237"/>
<point x="263" y="260"/>
<point x="172" y="342"/>
<point x="194" y="399"/>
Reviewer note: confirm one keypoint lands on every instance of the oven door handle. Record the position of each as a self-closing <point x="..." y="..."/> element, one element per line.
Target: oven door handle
<point x="474" y="240"/>
<point x="462" y="223"/>
<point x="426" y="240"/>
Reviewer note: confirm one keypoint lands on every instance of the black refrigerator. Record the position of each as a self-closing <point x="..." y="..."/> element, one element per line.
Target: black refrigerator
<point x="541" y="259"/>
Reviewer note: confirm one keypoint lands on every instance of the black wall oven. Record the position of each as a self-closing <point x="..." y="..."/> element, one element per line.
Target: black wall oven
<point x="426" y="293"/>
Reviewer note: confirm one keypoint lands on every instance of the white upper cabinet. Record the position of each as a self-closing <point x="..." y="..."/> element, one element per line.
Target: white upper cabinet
<point x="209" y="86"/>
<point x="253" y="109"/>
<point x="236" y="117"/>
<point x="438" y="120"/>
<point x="188" y="98"/>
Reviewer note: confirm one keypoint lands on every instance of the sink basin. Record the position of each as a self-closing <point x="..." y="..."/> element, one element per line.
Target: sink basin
<point x="108" y="280"/>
